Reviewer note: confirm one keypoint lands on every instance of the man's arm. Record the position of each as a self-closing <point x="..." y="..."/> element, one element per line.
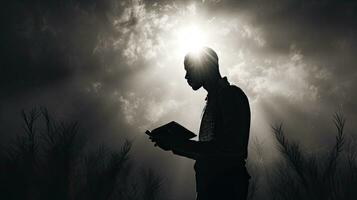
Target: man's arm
<point x="235" y="122"/>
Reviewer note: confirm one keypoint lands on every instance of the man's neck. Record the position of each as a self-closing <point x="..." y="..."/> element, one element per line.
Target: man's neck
<point x="212" y="84"/>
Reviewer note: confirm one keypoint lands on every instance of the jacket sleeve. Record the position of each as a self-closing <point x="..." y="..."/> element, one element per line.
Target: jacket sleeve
<point x="231" y="139"/>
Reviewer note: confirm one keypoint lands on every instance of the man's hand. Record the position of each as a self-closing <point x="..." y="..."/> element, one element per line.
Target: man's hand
<point x="165" y="143"/>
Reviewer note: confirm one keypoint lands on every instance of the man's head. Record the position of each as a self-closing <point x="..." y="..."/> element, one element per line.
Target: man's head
<point x="201" y="66"/>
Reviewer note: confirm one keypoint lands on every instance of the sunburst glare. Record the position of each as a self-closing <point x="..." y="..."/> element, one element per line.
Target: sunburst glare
<point x="190" y="39"/>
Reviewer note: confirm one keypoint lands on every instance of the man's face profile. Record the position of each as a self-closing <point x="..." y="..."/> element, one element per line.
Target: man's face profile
<point x="192" y="77"/>
<point x="200" y="66"/>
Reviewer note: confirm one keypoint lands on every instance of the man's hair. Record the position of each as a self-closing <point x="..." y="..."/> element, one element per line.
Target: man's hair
<point x="205" y="59"/>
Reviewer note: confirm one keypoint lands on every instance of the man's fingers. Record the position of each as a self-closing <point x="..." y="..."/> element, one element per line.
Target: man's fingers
<point x="153" y="139"/>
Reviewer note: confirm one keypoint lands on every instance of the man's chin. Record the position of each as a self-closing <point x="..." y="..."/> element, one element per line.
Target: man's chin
<point x="195" y="87"/>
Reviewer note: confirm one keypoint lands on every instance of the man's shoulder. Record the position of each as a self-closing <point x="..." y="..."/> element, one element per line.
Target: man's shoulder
<point x="232" y="91"/>
<point x="232" y="98"/>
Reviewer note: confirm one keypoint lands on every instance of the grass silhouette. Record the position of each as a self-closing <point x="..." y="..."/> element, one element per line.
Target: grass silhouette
<point x="306" y="175"/>
<point x="48" y="161"/>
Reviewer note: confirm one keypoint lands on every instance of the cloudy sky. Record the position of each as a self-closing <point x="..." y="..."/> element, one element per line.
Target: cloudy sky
<point x="117" y="67"/>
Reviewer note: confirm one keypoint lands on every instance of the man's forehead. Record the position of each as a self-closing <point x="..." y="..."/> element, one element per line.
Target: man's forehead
<point x="190" y="63"/>
<point x="188" y="66"/>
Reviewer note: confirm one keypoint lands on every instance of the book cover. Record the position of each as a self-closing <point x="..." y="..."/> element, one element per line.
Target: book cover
<point x="171" y="129"/>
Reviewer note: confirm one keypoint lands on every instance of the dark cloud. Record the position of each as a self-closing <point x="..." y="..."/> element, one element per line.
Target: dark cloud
<point x="324" y="32"/>
<point x="48" y="59"/>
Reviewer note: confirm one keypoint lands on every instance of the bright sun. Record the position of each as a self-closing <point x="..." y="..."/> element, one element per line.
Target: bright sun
<point x="190" y="39"/>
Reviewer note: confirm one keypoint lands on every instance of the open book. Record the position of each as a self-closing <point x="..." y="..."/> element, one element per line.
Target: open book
<point x="171" y="130"/>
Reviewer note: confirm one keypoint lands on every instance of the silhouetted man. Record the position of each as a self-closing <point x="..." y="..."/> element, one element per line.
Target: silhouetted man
<point x="221" y="150"/>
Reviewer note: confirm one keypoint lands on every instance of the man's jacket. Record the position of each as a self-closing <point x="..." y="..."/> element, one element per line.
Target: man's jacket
<point x="231" y="119"/>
